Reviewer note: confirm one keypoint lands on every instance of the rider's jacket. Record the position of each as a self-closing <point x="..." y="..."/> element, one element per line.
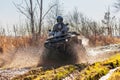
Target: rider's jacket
<point x="60" y="27"/>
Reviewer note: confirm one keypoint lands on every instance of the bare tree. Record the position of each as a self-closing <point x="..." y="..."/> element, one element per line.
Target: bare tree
<point x="79" y="22"/>
<point x="28" y="8"/>
<point x="117" y="5"/>
<point x="107" y="21"/>
<point x="74" y="20"/>
<point x="40" y="4"/>
<point x="28" y="11"/>
<point x="54" y="12"/>
<point x="83" y="25"/>
<point x="117" y="8"/>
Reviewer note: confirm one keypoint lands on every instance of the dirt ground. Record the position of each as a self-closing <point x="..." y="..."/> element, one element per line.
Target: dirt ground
<point x="23" y="59"/>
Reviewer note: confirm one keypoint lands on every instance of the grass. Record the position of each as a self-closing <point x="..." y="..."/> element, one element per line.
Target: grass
<point x="9" y="42"/>
<point x="91" y="72"/>
<point x="99" y="40"/>
<point x="115" y="75"/>
<point x="97" y="70"/>
<point x="50" y="74"/>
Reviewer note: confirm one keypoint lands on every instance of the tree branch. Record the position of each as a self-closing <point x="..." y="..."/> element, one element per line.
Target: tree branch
<point x="48" y="11"/>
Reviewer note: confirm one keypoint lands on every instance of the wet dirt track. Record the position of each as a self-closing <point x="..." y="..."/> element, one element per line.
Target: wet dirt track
<point x="95" y="54"/>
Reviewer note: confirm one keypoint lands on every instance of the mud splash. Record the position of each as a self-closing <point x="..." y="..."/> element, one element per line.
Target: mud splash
<point x="71" y="52"/>
<point x="21" y="57"/>
<point x="71" y="55"/>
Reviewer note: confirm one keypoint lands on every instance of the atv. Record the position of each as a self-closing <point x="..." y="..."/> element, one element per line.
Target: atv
<point x="56" y="42"/>
<point x="63" y="49"/>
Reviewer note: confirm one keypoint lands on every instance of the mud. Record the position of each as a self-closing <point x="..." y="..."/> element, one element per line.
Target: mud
<point x="8" y="74"/>
<point x="38" y="56"/>
<point x="73" y="53"/>
<point x="21" y="57"/>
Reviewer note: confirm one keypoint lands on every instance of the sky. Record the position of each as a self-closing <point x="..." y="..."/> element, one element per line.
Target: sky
<point x="93" y="9"/>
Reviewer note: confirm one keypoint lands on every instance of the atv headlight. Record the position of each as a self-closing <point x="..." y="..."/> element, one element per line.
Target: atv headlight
<point x="73" y="35"/>
<point x="66" y="40"/>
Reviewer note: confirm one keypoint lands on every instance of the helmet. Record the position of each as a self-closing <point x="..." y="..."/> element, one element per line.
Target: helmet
<point x="59" y="19"/>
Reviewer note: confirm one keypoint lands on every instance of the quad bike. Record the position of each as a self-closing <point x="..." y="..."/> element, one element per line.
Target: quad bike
<point x="63" y="49"/>
<point x="60" y="41"/>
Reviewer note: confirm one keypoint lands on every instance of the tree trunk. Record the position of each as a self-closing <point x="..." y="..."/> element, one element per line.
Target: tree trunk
<point x="32" y="17"/>
<point x="40" y="23"/>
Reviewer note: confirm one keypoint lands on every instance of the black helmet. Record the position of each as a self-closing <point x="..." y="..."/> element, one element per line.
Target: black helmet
<point x="59" y="19"/>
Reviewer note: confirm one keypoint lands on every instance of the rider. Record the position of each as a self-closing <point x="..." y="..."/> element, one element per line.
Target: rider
<point x="59" y="28"/>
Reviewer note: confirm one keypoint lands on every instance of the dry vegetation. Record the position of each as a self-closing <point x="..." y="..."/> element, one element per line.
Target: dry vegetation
<point x="10" y="42"/>
<point x="101" y="40"/>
